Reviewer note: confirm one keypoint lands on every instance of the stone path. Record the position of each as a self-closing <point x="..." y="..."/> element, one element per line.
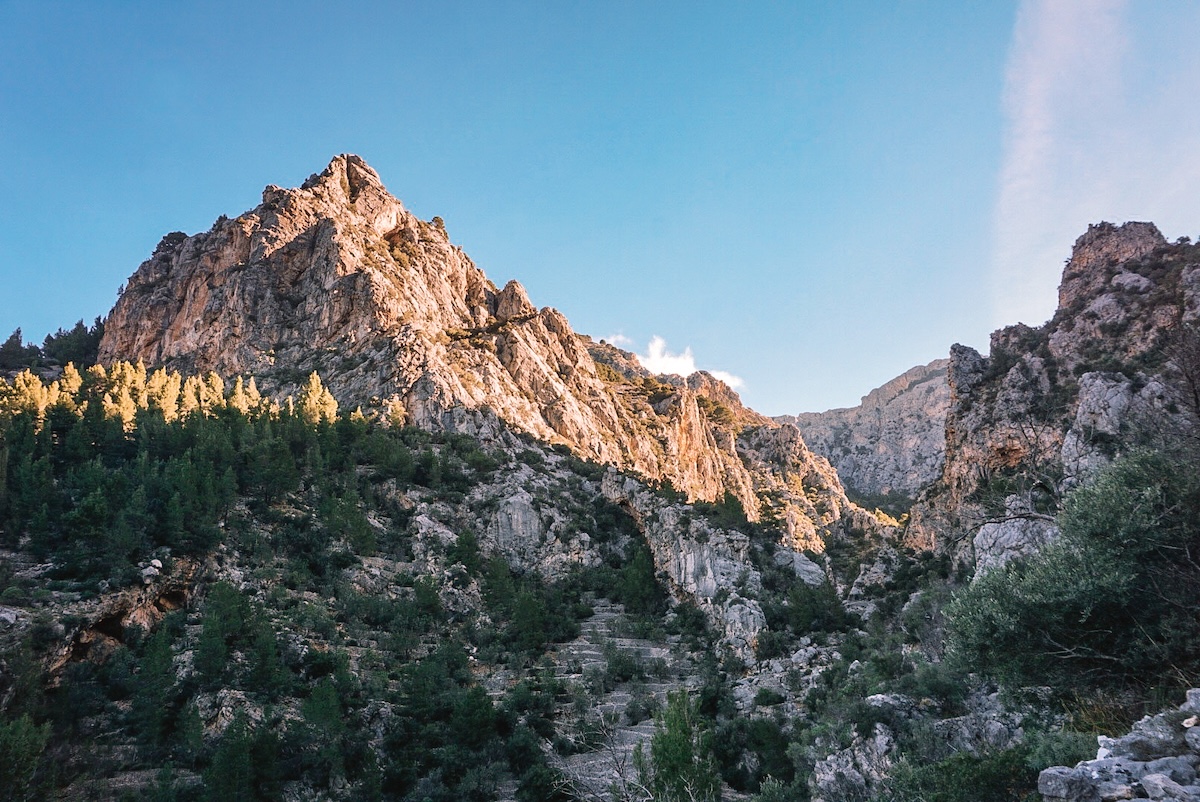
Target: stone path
<point x="582" y="663"/>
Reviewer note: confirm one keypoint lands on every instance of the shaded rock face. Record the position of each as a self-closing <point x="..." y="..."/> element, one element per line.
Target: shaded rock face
<point x="1050" y="405"/>
<point x="338" y="277"/>
<point x="893" y="443"/>
<point x="1020" y="532"/>
<point x="852" y="772"/>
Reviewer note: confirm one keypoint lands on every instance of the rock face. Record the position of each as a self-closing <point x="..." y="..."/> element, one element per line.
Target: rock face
<point x="893" y="443"/>
<point x="338" y="277"/>
<point x="852" y="772"/>
<point x="700" y="565"/>
<point x="1156" y="760"/>
<point x="1050" y="405"/>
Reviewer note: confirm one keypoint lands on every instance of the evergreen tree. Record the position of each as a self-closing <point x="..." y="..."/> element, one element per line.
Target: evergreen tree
<point x="151" y="698"/>
<point x="230" y="776"/>
<point x="21" y="745"/>
<point x="681" y="767"/>
<point x="323" y="714"/>
<point x="163" y="390"/>
<point x="15" y="354"/>
<point x="80" y="345"/>
<point x="316" y="404"/>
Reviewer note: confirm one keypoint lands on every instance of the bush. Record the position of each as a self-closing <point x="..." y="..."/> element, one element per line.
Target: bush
<point x="963" y="777"/>
<point x="1109" y="604"/>
<point x="767" y="697"/>
<point x="681" y="765"/>
<point x="1008" y="775"/>
<point x="771" y="644"/>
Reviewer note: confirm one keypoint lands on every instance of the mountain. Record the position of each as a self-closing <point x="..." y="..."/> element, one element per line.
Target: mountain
<point x="338" y="277"/>
<point x="892" y="445"/>
<point x="392" y="532"/>
<point x="1051" y="405"/>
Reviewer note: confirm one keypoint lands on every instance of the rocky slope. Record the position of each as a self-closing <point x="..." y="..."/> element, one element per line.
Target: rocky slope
<point x="338" y="277"/>
<point x="1049" y="405"/>
<point x="892" y="444"/>
<point x="382" y="550"/>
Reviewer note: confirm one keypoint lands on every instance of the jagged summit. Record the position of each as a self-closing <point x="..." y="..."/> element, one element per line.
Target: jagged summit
<point x="338" y="277"/>
<point x="348" y="172"/>
<point x="1101" y="246"/>
<point x="1060" y="400"/>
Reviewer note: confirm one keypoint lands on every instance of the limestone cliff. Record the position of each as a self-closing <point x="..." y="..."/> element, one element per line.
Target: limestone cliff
<point x="338" y="277"/>
<point x="1049" y="405"/>
<point x="892" y="445"/>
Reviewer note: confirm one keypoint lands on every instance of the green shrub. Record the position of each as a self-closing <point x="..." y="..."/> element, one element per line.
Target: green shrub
<point x="771" y="644"/>
<point x="767" y="697"/>
<point x="1107" y="605"/>
<point x="681" y="766"/>
<point x="963" y="777"/>
<point x="1008" y="775"/>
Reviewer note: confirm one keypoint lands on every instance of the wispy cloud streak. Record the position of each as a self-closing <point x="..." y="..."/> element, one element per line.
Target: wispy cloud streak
<point x="1063" y="78"/>
<point x="1100" y="125"/>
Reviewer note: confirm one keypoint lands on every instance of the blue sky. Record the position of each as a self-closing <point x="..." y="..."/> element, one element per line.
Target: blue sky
<point x="812" y="197"/>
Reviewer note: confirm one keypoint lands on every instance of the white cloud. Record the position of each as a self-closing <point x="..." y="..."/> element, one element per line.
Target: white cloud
<point x="1099" y="126"/>
<point x="619" y="340"/>
<point x="660" y="360"/>
<point x="733" y="381"/>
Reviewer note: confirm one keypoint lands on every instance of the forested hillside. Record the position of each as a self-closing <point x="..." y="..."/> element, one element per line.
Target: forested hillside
<point x="211" y="594"/>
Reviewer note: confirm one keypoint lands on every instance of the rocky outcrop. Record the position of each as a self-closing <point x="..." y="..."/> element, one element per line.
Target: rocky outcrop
<point x="800" y="489"/>
<point x="105" y="623"/>
<point x="853" y="772"/>
<point x="1018" y="532"/>
<point x="338" y="277"/>
<point x="1050" y="405"/>
<point x="1158" y="759"/>
<point x="701" y="565"/>
<point x="892" y="444"/>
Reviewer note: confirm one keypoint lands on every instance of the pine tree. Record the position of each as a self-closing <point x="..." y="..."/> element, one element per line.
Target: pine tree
<point x="163" y="390"/>
<point x="230" y="777"/>
<point x="15" y="354"/>
<point x="191" y="399"/>
<point x="316" y="403"/>
<point x="21" y="745"/>
<point x="682" y="767"/>
<point x="70" y="382"/>
<point x="238" y="397"/>
<point x="255" y="399"/>
<point x="155" y="679"/>
<point x="212" y="393"/>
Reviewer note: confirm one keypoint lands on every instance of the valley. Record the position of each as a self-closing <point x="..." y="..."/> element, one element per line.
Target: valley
<point x="319" y="512"/>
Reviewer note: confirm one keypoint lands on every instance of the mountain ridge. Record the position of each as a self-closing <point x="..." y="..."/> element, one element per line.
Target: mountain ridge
<point x="892" y="445"/>
<point x="1049" y="406"/>
<point x="338" y="277"/>
<point x="199" y="566"/>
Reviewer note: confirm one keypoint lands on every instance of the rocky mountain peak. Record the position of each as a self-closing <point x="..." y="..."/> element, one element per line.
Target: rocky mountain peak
<point x="1102" y="246"/>
<point x="338" y="277"/>
<point x="348" y="172"/>
<point x="513" y="303"/>
<point x="1060" y="400"/>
